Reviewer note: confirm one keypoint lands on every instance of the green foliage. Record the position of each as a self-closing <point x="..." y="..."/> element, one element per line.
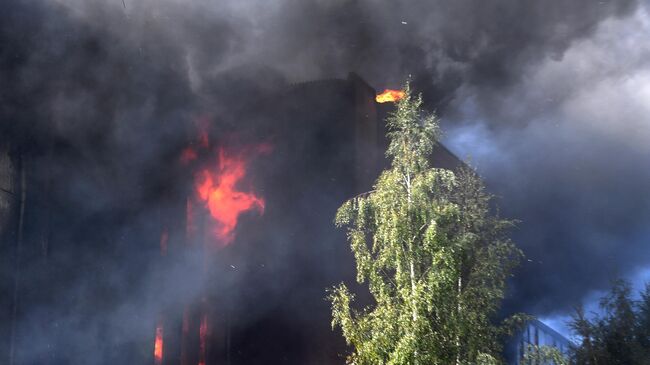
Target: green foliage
<point x="620" y="335"/>
<point x="433" y="256"/>
<point x="544" y="355"/>
<point x="643" y="323"/>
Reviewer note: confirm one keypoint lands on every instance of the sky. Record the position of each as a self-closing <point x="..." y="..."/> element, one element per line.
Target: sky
<point x="550" y="101"/>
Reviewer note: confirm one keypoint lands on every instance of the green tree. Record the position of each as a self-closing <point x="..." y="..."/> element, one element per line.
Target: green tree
<point x="619" y="334"/>
<point x="643" y="325"/>
<point x="544" y="355"/>
<point x="618" y="325"/>
<point x="434" y="257"/>
<point x="589" y="350"/>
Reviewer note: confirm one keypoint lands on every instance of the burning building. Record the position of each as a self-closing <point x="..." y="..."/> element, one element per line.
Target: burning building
<point x="236" y="255"/>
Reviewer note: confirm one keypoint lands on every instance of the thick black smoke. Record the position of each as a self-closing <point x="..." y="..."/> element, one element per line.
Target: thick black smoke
<point x="549" y="98"/>
<point x="573" y="168"/>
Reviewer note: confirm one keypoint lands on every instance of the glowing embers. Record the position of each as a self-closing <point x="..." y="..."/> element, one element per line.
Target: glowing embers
<point x="389" y="96"/>
<point x="158" y="345"/>
<point x="218" y="188"/>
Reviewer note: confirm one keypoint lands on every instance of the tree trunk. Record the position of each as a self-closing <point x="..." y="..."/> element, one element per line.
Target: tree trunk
<point x="414" y="312"/>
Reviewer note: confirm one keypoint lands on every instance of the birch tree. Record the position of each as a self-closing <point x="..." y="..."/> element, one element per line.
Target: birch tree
<point x="434" y="256"/>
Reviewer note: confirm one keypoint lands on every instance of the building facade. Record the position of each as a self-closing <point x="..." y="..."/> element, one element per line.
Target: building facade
<point x="534" y="335"/>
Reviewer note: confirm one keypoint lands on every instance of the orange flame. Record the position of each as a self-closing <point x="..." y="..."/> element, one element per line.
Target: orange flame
<point x="218" y="190"/>
<point x="158" y="345"/>
<point x="389" y="96"/>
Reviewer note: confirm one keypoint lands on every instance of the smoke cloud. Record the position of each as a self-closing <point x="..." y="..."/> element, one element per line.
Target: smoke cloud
<point x="550" y="100"/>
<point x="572" y="168"/>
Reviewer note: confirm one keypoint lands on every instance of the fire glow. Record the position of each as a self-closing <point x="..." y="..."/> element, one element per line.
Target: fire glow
<point x="158" y="345"/>
<point x="389" y="96"/>
<point x="218" y="195"/>
<point x="218" y="190"/>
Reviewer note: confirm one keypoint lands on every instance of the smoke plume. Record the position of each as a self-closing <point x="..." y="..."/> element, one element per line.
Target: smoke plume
<point x="549" y="99"/>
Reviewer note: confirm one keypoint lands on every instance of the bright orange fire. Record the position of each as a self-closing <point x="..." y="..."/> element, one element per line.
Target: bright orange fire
<point x="218" y="190"/>
<point x="158" y="345"/>
<point x="389" y="96"/>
